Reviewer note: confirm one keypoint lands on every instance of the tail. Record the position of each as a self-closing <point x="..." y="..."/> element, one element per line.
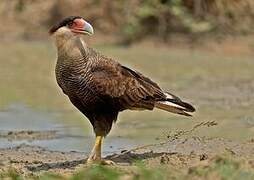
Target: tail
<point x="175" y="105"/>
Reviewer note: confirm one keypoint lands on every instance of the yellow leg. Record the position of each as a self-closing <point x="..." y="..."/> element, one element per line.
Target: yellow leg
<point x="95" y="155"/>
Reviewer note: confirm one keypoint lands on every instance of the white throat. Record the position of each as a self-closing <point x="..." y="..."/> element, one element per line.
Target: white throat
<point x="67" y="42"/>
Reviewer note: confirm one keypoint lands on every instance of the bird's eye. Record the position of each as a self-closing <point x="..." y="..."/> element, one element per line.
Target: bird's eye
<point x="70" y="24"/>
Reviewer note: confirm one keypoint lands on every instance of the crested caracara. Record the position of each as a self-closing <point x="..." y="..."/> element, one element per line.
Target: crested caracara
<point x="99" y="86"/>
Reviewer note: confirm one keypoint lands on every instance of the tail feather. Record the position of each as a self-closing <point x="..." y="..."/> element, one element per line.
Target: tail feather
<point x="175" y="105"/>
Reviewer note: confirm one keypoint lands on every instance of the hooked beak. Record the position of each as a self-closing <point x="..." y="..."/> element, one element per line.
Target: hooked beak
<point x="86" y="29"/>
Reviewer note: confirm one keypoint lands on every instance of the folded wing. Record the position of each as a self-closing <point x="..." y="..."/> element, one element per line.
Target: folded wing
<point x="131" y="90"/>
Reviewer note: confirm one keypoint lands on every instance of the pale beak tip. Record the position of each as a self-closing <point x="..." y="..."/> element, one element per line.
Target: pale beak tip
<point x="88" y="28"/>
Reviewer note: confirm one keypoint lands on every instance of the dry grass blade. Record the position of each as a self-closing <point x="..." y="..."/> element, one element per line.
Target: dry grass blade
<point x="171" y="138"/>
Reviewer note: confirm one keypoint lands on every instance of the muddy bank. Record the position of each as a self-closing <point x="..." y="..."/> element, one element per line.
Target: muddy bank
<point x="28" y="135"/>
<point x="182" y="153"/>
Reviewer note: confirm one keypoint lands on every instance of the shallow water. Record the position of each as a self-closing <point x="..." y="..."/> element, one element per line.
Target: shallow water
<point x="18" y="117"/>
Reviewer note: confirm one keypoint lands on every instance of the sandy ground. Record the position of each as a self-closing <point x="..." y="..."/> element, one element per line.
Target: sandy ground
<point x="179" y="153"/>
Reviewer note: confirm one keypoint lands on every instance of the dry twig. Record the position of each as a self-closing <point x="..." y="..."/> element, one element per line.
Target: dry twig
<point x="171" y="138"/>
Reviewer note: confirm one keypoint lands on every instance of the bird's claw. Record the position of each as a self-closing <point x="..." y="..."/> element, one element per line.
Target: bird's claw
<point x="101" y="162"/>
<point x="92" y="161"/>
<point x="108" y="162"/>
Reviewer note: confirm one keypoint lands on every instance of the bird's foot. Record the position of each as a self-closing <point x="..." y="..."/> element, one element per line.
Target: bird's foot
<point x="91" y="161"/>
<point x="108" y="162"/>
<point x="95" y="156"/>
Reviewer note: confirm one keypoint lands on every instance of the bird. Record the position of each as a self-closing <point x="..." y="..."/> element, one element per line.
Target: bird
<point x="99" y="86"/>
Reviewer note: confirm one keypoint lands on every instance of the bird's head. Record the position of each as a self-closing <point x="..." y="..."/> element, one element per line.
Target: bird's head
<point x="72" y="25"/>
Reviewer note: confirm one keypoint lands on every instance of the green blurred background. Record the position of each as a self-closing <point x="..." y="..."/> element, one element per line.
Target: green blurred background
<point x="201" y="50"/>
<point x="129" y="20"/>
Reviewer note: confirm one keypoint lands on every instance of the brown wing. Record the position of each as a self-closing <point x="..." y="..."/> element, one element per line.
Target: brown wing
<point x="128" y="89"/>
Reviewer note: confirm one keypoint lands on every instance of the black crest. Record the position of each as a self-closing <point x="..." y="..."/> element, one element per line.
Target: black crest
<point x="62" y="23"/>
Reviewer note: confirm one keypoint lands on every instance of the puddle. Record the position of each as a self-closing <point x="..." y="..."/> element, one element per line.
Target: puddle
<point x="22" y="125"/>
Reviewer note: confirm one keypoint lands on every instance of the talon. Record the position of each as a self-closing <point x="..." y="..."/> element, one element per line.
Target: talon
<point x="102" y="162"/>
<point x="108" y="162"/>
<point x="92" y="161"/>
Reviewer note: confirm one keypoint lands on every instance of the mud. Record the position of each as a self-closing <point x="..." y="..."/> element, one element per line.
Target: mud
<point x="182" y="153"/>
<point x="28" y="135"/>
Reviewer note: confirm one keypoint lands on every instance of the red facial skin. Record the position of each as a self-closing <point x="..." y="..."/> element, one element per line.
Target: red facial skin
<point x="77" y="25"/>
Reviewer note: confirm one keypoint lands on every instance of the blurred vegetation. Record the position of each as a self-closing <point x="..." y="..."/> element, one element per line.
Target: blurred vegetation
<point x="131" y="20"/>
<point x="226" y="167"/>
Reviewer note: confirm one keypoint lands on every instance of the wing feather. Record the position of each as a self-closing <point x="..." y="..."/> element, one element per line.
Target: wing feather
<point x="130" y="89"/>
